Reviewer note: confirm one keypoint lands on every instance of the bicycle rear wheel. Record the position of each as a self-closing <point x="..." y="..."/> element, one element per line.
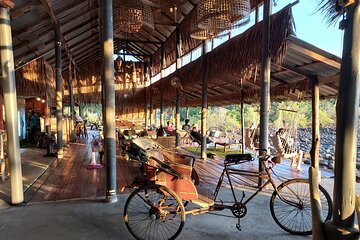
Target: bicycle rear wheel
<point x="296" y="218"/>
<point x="154" y="212"/>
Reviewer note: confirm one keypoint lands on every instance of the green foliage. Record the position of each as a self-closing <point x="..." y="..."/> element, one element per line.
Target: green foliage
<point x="229" y="117"/>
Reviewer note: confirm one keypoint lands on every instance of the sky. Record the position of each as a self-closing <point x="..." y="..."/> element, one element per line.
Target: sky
<point x="312" y="27"/>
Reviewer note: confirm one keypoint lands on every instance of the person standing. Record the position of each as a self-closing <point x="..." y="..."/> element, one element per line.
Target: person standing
<point x="33" y="126"/>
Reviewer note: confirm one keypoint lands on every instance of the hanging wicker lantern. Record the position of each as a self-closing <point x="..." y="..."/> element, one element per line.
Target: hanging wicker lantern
<point x="218" y="15"/>
<point x="165" y="3"/>
<point x="198" y="33"/>
<point x="131" y="16"/>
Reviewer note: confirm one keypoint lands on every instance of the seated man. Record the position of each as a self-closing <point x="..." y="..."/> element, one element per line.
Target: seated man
<point x="196" y="135"/>
<point x="285" y="149"/>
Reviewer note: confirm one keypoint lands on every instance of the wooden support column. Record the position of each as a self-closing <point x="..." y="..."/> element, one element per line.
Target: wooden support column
<point x="162" y="101"/>
<point x="242" y="125"/>
<point x="71" y="93"/>
<point x="204" y="102"/>
<point x="108" y="81"/>
<point x="187" y="112"/>
<point x="151" y="100"/>
<point x="178" y="88"/>
<point x="314" y="171"/>
<point x="265" y="86"/>
<point x="59" y="96"/>
<point x="145" y="109"/>
<point x="347" y="117"/>
<point x="10" y="103"/>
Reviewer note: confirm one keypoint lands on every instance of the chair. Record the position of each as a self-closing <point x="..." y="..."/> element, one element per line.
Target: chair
<point x="294" y="155"/>
<point x="220" y="138"/>
<point x="196" y="138"/>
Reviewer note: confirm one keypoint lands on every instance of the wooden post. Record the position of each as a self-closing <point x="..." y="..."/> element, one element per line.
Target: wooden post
<point x="242" y="126"/>
<point x="151" y="106"/>
<point x="109" y="133"/>
<point x="145" y="109"/>
<point x="204" y="102"/>
<point x="71" y="93"/>
<point x="317" y="220"/>
<point x="59" y="95"/>
<point x="187" y="112"/>
<point x="347" y="116"/>
<point x="162" y="101"/>
<point x="265" y="85"/>
<point x="10" y="103"/>
<point x="178" y="90"/>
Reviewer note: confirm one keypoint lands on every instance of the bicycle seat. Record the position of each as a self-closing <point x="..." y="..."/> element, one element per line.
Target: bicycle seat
<point x="232" y="159"/>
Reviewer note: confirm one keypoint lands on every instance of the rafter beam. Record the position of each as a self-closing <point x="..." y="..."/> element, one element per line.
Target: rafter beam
<point x="48" y="7"/>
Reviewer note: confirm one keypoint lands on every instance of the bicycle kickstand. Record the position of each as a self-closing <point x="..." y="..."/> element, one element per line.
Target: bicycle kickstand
<point x="238" y="225"/>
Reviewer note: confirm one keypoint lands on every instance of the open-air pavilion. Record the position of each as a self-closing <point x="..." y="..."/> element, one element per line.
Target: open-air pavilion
<point x="63" y="51"/>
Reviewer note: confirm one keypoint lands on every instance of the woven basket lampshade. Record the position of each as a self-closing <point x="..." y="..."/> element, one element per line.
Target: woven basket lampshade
<point x="131" y="16"/>
<point x="218" y="15"/>
<point x="165" y="3"/>
<point x="198" y="33"/>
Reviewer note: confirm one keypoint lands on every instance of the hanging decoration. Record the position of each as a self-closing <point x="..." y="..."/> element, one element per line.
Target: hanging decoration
<point x="131" y="16"/>
<point x="198" y="33"/>
<point x="218" y="15"/>
<point x="165" y="3"/>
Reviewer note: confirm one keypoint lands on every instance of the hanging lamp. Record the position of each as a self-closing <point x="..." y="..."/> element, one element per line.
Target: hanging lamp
<point x="218" y="15"/>
<point x="131" y="16"/>
<point x="198" y="33"/>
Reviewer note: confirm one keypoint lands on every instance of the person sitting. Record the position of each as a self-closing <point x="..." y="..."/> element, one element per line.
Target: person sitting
<point x="284" y="145"/>
<point x="160" y="131"/>
<point x="186" y="126"/>
<point x="196" y="135"/>
<point x="170" y="129"/>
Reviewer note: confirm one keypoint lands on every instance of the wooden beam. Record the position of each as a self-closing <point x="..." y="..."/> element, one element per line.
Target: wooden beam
<point x="54" y="20"/>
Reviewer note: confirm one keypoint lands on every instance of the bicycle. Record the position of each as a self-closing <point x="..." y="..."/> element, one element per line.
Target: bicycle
<point x="156" y="210"/>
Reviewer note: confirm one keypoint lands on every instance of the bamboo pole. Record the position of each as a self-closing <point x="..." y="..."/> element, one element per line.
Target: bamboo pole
<point x="265" y="86"/>
<point x="10" y="104"/>
<point x="109" y="134"/>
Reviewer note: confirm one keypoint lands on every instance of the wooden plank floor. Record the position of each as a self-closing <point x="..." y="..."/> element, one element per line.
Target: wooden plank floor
<point x="70" y="179"/>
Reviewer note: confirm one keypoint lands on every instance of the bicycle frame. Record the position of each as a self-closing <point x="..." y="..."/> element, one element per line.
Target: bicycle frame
<point x="266" y="175"/>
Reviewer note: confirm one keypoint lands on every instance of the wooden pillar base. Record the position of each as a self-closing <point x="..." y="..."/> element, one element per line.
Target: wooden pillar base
<point x="334" y="232"/>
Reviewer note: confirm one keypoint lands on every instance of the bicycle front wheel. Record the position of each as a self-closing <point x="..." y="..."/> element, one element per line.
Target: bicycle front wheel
<point x="293" y="214"/>
<point x="154" y="212"/>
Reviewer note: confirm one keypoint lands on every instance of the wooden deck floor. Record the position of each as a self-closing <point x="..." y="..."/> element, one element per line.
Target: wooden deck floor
<point x="70" y="179"/>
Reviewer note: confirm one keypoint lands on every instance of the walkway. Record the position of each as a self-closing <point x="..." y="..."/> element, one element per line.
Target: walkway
<point x="47" y="179"/>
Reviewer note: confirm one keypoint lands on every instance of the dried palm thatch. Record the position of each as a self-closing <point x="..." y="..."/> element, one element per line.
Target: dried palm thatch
<point x="35" y="79"/>
<point x="188" y="43"/>
<point x="238" y="56"/>
<point x="327" y="7"/>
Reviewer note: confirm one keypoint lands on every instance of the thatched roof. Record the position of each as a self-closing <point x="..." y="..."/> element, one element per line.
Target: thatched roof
<point x="239" y="57"/>
<point x="35" y="79"/>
